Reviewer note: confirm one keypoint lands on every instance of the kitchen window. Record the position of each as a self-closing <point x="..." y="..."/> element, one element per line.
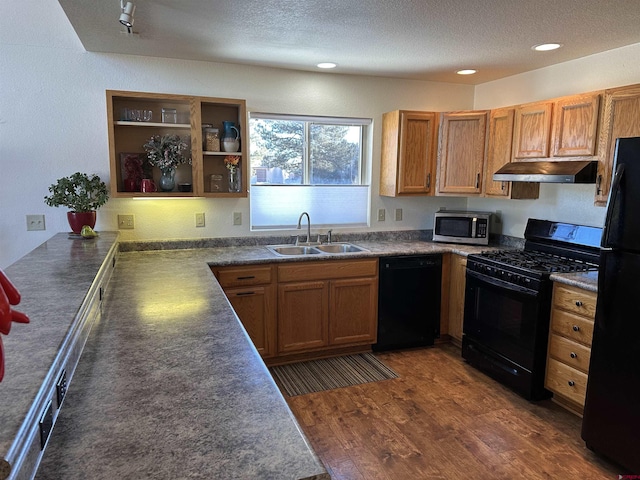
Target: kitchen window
<point x="311" y="164"/>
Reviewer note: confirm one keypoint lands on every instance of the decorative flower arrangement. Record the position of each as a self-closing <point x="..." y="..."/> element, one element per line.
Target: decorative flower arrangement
<point x="231" y="162"/>
<point x="166" y="152"/>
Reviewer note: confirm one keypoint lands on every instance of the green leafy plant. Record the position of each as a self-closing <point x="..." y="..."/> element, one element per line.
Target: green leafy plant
<point x="79" y="192"/>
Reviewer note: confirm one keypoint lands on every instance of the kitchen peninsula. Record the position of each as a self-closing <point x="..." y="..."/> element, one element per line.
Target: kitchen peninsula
<point x="169" y="385"/>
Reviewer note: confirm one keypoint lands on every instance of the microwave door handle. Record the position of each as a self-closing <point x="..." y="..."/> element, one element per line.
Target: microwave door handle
<point x="474" y="226"/>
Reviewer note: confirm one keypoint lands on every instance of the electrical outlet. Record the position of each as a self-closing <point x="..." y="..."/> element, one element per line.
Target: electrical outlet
<point x="200" y="219"/>
<point x="125" y="222"/>
<point x="381" y="214"/>
<point x="398" y="214"/>
<point x="35" y="222"/>
<point x="237" y="218"/>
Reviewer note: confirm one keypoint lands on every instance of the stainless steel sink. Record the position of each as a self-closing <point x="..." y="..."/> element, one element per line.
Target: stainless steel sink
<point x="319" y="249"/>
<point x="286" y="250"/>
<point x="339" y="248"/>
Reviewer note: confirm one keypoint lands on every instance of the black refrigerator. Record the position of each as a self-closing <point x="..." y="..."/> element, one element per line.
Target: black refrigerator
<point x="611" y="422"/>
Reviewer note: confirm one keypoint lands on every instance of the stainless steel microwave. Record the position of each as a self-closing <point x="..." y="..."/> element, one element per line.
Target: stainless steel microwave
<point x="461" y="227"/>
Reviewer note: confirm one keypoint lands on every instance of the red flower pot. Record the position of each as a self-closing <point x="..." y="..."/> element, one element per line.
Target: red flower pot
<point x="77" y="220"/>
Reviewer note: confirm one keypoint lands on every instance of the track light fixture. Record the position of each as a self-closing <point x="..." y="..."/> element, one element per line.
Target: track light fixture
<point x="126" y="17"/>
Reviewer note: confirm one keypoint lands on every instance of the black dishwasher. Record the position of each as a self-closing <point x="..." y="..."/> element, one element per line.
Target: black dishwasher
<point x="409" y="301"/>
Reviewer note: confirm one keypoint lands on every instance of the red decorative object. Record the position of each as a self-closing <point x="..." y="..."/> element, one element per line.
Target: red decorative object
<point x="9" y="295"/>
<point x="77" y="220"/>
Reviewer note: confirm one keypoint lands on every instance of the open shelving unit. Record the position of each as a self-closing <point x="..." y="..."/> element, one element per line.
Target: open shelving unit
<point x="127" y="137"/>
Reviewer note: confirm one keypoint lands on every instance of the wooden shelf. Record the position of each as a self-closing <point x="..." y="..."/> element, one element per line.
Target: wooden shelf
<point x="126" y="140"/>
<point x="122" y="123"/>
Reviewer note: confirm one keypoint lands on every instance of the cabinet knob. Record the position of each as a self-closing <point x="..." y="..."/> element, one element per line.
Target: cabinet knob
<point x="573" y="355"/>
<point x="571" y="383"/>
<point x="576" y="328"/>
<point x="578" y="303"/>
<point x="502" y="186"/>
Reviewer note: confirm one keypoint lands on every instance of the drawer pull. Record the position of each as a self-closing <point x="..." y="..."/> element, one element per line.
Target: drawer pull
<point x="239" y="294"/>
<point x="573" y="355"/>
<point x="578" y="303"/>
<point x="576" y="328"/>
<point x="246" y="278"/>
<point x="571" y="383"/>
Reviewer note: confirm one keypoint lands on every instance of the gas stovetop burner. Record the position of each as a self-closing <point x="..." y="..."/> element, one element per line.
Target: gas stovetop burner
<point x="538" y="261"/>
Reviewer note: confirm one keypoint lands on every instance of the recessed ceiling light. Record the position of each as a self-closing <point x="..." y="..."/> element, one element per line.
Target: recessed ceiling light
<point x="466" y="72"/>
<point x="327" y="65"/>
<point x="545" y="47"/>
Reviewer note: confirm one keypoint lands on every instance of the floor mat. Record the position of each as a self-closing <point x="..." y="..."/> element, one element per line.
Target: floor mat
<point x="328" y="373"/>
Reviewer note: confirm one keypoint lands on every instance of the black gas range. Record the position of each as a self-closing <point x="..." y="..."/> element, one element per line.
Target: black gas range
<point x="508" y="301"/>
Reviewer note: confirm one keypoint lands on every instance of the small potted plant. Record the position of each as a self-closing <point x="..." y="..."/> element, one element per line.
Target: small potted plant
<point x="82" y="194"/>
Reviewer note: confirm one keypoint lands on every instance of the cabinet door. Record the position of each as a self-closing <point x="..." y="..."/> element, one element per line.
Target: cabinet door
<point x="532" y="131"/>
<point x="255" y="306"/>
<point x="303" y="317"/>
<point x="408" y="153"/>
<point x="461" y="152"/>
<point x="456" y="297"/>
<point x="621" y="118"/>
<point x="353" y="311"/>
<point x="575" y="125"/>
<point x="498" y="150"/>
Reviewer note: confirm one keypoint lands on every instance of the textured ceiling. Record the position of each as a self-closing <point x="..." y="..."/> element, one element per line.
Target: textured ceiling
<point x="419" y="39"/>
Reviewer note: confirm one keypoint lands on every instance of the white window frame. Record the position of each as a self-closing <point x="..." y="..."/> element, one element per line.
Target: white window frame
<point x="285" y="214"/>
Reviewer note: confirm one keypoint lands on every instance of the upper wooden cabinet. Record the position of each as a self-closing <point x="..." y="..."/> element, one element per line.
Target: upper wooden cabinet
<point x="575" y="126"/>
<point x="185" y="117"/>
<point x="461" y="152"/>
<point x="499" y="153"/>
<point x="565" y="127"/>
<point x="408" y="153"/>
<point x="621" y="118"/>
<point x="532" y="131"/>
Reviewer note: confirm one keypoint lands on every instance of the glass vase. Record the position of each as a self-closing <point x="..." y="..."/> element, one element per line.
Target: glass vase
<point x="234" y="181"/>
<point x="168" y="179"/>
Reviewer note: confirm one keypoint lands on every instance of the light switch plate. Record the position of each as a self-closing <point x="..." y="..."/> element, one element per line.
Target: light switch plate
<point x="237" y="218"/>
<point x="398" y="214"/>
<point x="200" y="219"/>
<point x="381" y="215"/>
<point x="125" y="222"/>
<point x="35" y="222"/>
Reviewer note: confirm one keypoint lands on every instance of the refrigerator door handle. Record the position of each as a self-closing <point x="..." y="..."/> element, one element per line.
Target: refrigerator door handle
<point x="613" y="196"/>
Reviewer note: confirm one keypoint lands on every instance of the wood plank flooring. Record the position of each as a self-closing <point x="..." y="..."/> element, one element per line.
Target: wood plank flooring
<point x="442" y="419"/>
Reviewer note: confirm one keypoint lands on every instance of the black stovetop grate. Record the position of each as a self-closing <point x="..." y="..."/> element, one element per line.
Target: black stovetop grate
<point x="538" y="261"/>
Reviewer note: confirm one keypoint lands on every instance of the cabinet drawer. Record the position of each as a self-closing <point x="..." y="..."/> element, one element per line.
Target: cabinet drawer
<point x="566" y="381"/>
<point x="243" y="276"/>
<point x="569" y="352"/>
<point x="575" y="300"/>
<point x="302" y="271"/>
<point x="572" y="326"/>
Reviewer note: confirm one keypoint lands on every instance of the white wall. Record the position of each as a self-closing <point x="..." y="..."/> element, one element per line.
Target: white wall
<point x="53" y="123"/>
<point x="570" y="203"/>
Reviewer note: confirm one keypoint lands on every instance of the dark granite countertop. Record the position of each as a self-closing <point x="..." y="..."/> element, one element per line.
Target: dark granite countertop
<point x="585" y="280"/>
<point x="53" y="281"/>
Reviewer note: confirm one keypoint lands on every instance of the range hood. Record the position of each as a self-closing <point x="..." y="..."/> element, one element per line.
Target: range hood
<point x="548" y="172"/>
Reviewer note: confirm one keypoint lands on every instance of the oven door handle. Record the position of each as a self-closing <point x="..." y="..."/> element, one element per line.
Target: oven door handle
<point x="502" y="284"/>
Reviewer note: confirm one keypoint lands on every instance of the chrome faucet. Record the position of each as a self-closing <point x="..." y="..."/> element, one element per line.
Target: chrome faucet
<point x="308" y="225"/>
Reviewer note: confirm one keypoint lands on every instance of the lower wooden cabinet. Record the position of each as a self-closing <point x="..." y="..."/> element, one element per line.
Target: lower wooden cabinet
<point x="303" y="316"/>
<point x="251" y="290"/>
<point x="457" y="284"/>
<point x="303" y="307"/>
<point x="327" y="304"/>
<point x="569" y="351"/>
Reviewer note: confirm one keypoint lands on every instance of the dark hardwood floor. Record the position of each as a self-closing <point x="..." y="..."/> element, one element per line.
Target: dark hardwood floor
<point x="442" y="419"/>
